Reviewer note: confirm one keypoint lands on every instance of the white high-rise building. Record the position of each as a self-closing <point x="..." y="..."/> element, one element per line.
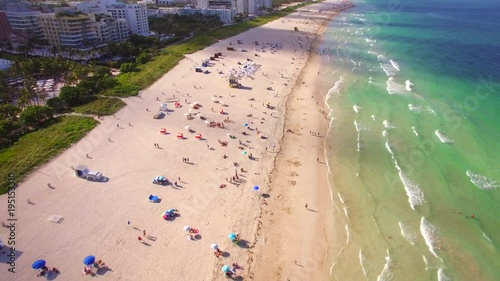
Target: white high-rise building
<point x="237" y="6"/>
<point x="135" y="14"/>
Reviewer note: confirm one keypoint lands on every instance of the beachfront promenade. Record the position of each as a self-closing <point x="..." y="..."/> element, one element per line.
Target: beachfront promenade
<point x="213" y="191"/>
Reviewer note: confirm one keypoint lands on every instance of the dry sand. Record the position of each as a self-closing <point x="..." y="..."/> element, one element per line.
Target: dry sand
<point x="95" y="215"/>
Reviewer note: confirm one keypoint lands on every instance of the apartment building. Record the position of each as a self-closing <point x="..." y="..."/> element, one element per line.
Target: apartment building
<point x="111" y="30"/>
<point x="69" y="29"/>
<point x="23" y="24"/>
<point x="238" y="6"/>
<point x="134" y="14"/>
<point x="5" y="29"/>
<point x="225" y="15"/>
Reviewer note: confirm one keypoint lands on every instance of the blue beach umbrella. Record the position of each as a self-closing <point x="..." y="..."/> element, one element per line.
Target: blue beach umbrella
<point x="38" y="264"/>
<point x="89" y="260"/>
<point x="256" y="188"/>
<point x="246" y="124"/>
<point x="232" y="236"/>
<point x="226" y="269"/>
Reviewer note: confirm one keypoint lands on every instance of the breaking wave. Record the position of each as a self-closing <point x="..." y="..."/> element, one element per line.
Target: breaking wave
<point x="481" y="181"/>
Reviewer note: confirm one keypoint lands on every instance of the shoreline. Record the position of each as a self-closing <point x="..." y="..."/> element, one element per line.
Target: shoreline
<point x="316" y="226"/>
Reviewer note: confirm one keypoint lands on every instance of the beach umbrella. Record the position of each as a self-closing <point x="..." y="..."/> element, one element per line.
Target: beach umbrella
<point x="187" y="128"/>
<point x="186" y="114"/>
<point x="207" y="122"/>
<point x="214" y="246"/>
<point x="246" y="124"/>
<point x="244" y="152"/>
<point x="88" y="260"/>
<point x="226" y="269"/>
<point x="170" y="211"/>
<point x="38" y="264"/>
<point x="256" y="188"/>
<point x="186" y="228"/>
<point x="232" y="236"/>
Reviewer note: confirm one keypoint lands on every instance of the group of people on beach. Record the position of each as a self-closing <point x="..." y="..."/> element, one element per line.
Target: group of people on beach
<point x="93" y="268"/>
<point x="45" y="271"/>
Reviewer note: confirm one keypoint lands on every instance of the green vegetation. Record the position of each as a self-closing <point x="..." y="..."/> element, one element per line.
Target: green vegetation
<point x="36" y="148"/>
<point x="183" y="25"/>
<point x="101" y="106"/>
<point x="146" y="74"/>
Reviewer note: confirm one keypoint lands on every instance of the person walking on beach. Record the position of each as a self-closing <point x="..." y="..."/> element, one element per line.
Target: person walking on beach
<point x="144" y="233"/>
<point x="139" y="238"/>
<point x="306" y="205"/>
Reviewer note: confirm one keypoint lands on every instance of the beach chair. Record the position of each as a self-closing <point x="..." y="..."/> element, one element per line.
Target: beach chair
<point x="153" y="198"/>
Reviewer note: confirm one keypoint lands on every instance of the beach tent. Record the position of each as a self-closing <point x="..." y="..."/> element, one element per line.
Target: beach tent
<point x="163" y="107"/>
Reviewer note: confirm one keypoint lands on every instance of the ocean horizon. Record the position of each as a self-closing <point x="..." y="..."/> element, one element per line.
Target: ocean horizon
<point x="414" y="101"/>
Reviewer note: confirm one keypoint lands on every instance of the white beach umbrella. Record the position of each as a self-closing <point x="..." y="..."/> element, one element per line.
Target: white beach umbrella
<point x="214" y="246"/>
<point x="187" y="128"/>
<point x="186" y="228"/>
<point x="186" y="114"/>
<point x="207" y="122"/>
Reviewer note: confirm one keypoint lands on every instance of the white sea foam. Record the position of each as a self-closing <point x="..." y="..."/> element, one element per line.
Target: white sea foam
<point x="394" y="87"/>
<point x="407" y="234"/>
<point x="346" y="213"/>
<point x="368" y="40"/>
<point x="358" y="139"/>
<point x="409" y="85"/>
<point x="353" y="62"/>
<point x="372" y="53"/>
<point x="420" y="109"/>
<point x="373" y="117"/>
<point x="357" y="126"/>
<point x="361" y="259"/>
<point x="395" y="65"/>
<point x="388" y="147"/>
<point x="386" y="273"/>
<point x="481" y="181"/>
<point x="426" y="262"/>
<point x="388" y="125"/>
<point x="413" y="191"/>
<point x="356" y="108"/>
<point x="348" y="234"/>
<point x="385" y="133"/>
<point x="487" y="238"/>
<point x="442" y="276"/>
<point x="414" y="131"/>
<point x="336" y="87"/>
<point x="443" y="138"/>
<point x="388" y="69"/>
<point x="428" y="231"/>
<point x="340" y="198"/>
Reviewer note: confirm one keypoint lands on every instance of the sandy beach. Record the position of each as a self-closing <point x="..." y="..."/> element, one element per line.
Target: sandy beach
<point x="277" y="153"/>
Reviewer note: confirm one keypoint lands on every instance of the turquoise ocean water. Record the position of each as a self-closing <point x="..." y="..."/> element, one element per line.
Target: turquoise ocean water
<point x="414" y="95"/>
